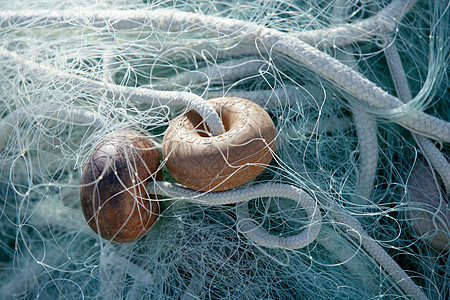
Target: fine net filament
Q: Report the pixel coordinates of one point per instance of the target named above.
(357, 91)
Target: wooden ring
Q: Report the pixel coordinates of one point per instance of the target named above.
(113, 195)
(216, 163)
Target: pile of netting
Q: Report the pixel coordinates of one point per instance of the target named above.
(357, 90)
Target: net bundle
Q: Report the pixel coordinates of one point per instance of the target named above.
(358, 93)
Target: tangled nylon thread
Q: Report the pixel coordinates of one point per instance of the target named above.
(201, 271)
(345, 78)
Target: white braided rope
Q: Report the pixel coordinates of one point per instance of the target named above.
(227, 72)
(245, 225)
(354, 83)
(47, 110)
(398, 1)
(368, 147)
(348, 80)
(352, 226)
(436, 157)
(385, 21)
(345, 252)
(108, 59)
(396, 69)
(271, 98)
(366, 130)
(139, 95)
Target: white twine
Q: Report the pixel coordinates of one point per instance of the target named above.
(245, 225)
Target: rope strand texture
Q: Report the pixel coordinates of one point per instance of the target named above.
(386, 20)
(436, 157)
(366, 130)
(353, 226)
(347, 79)
(355, 84)
(228, 72)
(265, 98)
(50, 110)
(245, 225)
(139, 95)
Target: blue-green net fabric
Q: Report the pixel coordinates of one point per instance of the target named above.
(47, 249)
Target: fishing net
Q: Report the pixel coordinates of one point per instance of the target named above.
(331, 74)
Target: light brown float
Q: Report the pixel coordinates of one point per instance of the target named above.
(216, 163)
(113, 195)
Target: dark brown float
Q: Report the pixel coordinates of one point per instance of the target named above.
(114, 198)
